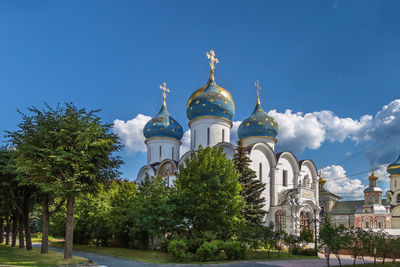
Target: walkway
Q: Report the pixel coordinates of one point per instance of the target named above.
(111, 261)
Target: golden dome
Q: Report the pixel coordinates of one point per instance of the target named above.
(221, 90)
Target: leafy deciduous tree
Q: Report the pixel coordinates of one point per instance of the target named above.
(65, 151)
(208, 193)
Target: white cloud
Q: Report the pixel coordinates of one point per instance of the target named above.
(298, 131)
(131, 132)
(383, 133)
(234, 135)
(185, 147)
(345, 187)
(382, 174)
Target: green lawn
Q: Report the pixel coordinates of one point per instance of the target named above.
(14, 256)
(162, 257)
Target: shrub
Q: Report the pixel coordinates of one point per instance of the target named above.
(193, 244)
(164, 243)
(305, 252)
(178, 249)
(306, 236)
(209, 250)
(235, 250)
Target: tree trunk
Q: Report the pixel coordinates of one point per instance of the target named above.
(27, 230)
(14, 230)
(1, 230)
(21, 231)
(45, 225)
(327, 260)
(338, 257)
(69, 229)
(8, 228)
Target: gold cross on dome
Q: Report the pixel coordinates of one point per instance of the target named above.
(164, 88)
(257, 85)
(212, 58)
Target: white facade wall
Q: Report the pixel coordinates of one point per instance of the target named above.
(258, 139)
(209, 131)
(306, 171)
(166, 145)
(283, 165)
(258, 157)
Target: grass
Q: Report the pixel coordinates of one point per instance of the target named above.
(162, 257)
(13, 256)
(133, 254)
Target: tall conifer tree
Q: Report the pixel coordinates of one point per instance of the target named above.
(252, 188)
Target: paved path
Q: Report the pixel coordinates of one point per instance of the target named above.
(111, 261)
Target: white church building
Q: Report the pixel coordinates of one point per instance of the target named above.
(291, 191)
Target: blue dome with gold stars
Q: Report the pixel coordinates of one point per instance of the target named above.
(258, 124)
(394, 168)
(163, 125)
(210, 100)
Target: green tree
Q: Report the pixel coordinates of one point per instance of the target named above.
(123, 199)
(354, 242)
(20, 198)
(253, 210)
(66, 152)
(6, 203)
(333, 237)
(291, 241)
(268, 239)
(395, 248)
(208, 193)
(154, 210)
(383, 245)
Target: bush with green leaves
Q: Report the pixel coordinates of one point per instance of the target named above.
(304, 251)
(235, 250)
(292, 242)
(177, 248)
(209, 250)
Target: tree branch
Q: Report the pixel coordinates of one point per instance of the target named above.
(57, 208)
(15, 202)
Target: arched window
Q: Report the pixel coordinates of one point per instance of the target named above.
(223, 135)
(398, 198)
(160, 153)
(280, 220)
(366, 224)
(305, 221)
(173, 153)
(284, 177)
(208, 136)
(149, 153)
(194, 139)
(260, 171)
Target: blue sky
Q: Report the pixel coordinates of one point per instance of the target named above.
(310, 56)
